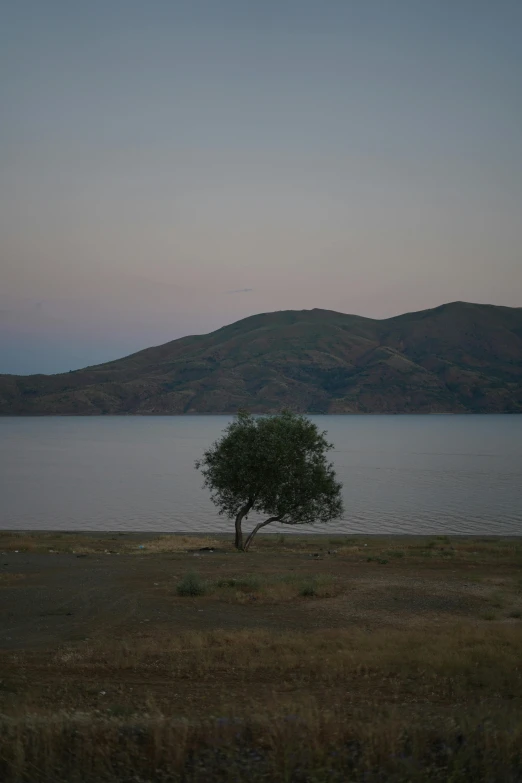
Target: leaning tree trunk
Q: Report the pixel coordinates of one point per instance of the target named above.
(239, 519)
(250, 538)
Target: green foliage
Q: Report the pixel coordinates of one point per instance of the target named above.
(246, 583)
(273, 465)
(191, 585)
(320, 586)
(309, 589)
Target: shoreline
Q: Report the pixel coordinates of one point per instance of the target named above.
(149, 534)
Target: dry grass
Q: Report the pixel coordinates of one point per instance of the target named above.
(311, 746)
(177, 543)
(417, 548)
(57, 543)
(245, 588)
(79, 543)
(457, 550)
(299, 707)
(10, 580)
(413, 674)
(449, 662)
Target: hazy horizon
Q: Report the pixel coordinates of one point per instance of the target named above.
(169, 168)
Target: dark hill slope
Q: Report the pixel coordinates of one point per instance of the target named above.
(456, 358)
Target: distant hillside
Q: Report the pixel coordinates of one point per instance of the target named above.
(455, 358)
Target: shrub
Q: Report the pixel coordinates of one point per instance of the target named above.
(320, 586)
(191, 584)
(309, 589)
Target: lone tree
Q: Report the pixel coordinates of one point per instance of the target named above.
(273, 465)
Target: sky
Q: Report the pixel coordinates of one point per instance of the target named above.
(171, 166)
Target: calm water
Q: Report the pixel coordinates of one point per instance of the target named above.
(401, 474)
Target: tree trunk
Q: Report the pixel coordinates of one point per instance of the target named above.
(250, 538)
(239, 518)
(239, 533)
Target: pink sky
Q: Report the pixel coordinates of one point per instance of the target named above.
(157, 157)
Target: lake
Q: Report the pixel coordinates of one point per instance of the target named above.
(401, 474)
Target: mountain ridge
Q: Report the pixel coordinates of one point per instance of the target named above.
(456, 358)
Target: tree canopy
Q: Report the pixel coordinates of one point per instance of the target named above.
(273, 465)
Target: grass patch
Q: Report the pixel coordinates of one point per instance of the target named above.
(249, 584)
(175, 543)
(192, 585)
(497, 600)
(464, 662)
(10, 580)
(52, 543)
(79, 543)
(310, 589)
(314, 586)
(342, 541)
(310, 745)
(120, 711)
(464, 550)
(278, 588)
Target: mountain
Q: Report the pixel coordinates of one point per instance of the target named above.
(458, 358)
